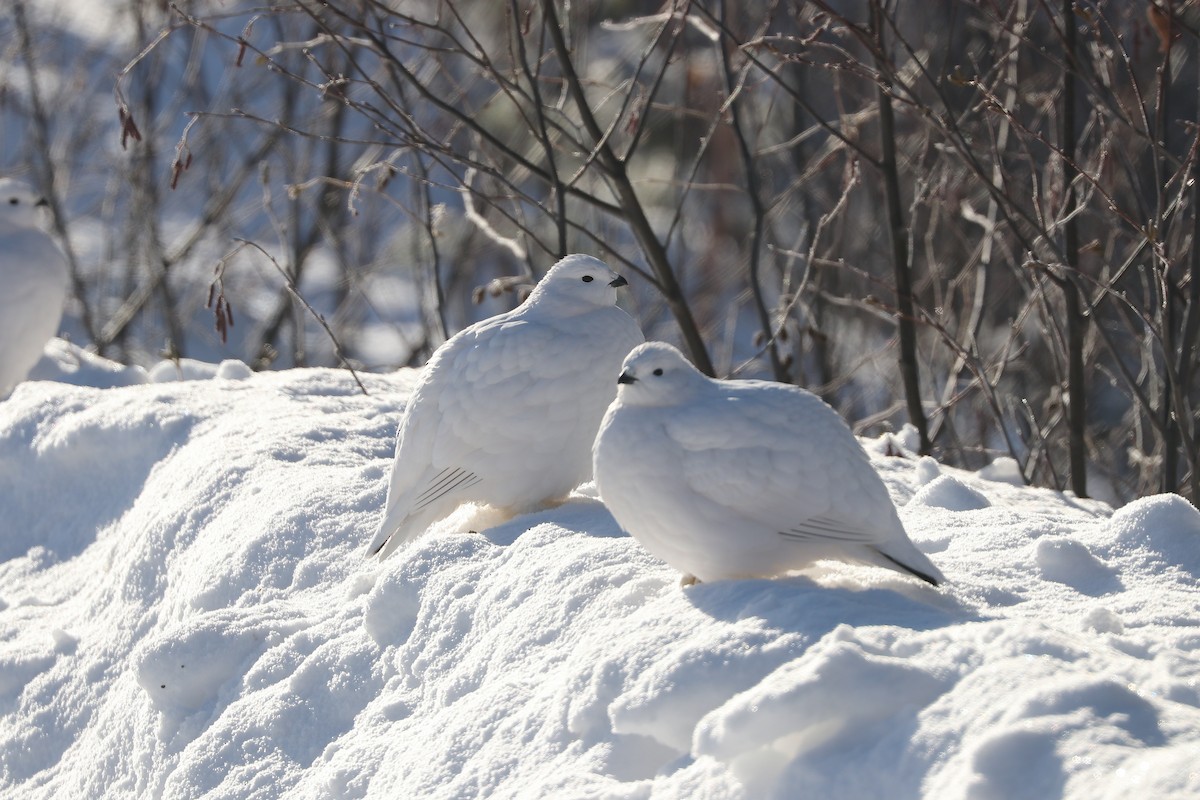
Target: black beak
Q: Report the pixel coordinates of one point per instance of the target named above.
(42, 202)
(625, 377)
(619, 281)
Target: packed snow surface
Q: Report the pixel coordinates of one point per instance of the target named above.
(185, 612)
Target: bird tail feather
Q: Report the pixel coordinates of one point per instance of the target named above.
(395, 532)
(933, 576)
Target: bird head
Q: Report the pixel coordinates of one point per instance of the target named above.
(656, 374)
(578, 281)
(19, 204)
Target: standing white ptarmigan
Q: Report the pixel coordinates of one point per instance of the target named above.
(741, 479)
(34, 280)
(506, 411)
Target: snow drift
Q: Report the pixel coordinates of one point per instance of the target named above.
(185, 611)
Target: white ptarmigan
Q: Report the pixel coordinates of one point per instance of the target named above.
(34, 282)
(506, 411)
(741, 479)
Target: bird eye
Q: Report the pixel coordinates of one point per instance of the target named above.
(658, 371)
(14, 201)
(588, 279)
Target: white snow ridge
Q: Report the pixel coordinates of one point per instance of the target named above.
(185, 612)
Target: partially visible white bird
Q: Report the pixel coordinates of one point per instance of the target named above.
(34, 281)
(741, 479)
(506, 411)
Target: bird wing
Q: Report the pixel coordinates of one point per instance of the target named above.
(515, 382)
(783, 458)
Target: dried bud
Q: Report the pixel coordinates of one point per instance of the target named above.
(129, 128)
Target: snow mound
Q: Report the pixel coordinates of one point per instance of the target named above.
(839, 697)
(950, 493)
(927, 470)
(1163, 530)
(189, 369)
(1065, 560)
(65, 362)
(1003, 470)
(185, 611)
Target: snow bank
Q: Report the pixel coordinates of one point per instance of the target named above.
(65, 362)
(185, 611)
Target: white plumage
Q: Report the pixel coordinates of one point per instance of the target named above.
(34, 281)
(506, 411)
(741, 479)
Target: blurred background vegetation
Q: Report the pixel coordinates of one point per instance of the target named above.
(977, 218)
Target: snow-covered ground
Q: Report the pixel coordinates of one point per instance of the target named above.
(186, 611)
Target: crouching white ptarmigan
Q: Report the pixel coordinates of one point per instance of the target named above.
(741, 479)
(34, 281)
(506, 411)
